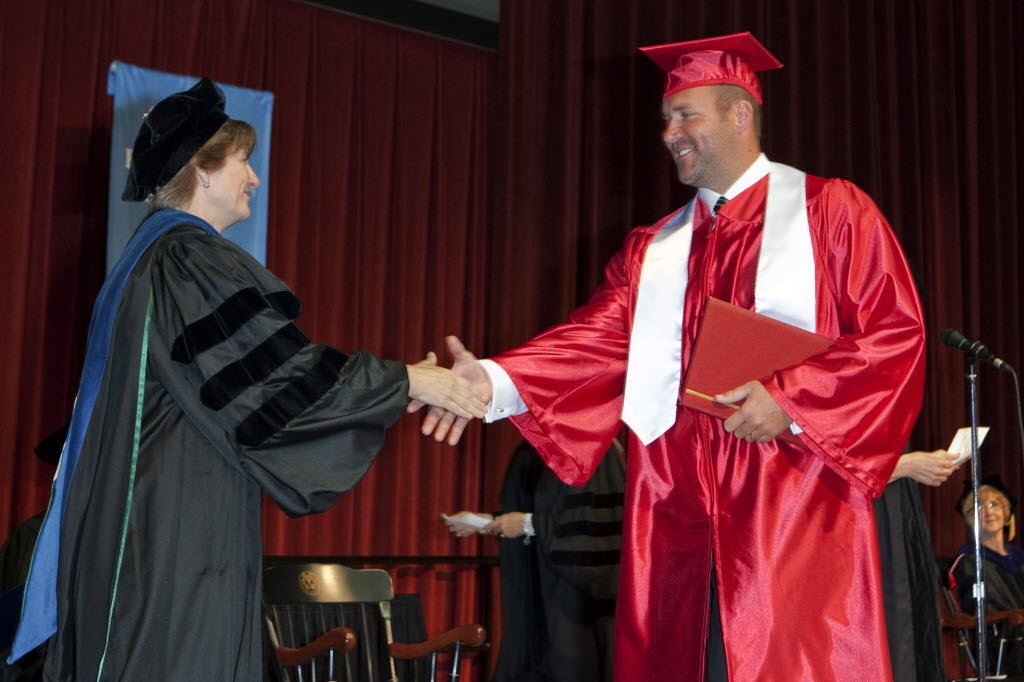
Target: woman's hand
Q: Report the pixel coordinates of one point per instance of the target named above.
(442, 388)
(446, 425)
(507, 525)
(461, 530)
(930, 468)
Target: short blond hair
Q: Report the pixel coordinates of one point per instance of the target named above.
(968, 502)
(229, 138)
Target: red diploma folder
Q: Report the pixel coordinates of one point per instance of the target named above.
(735, 346)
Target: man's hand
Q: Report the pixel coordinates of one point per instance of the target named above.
(759, 419)
(507, 525)
(433, 385)
(443, 422)
(930, 468)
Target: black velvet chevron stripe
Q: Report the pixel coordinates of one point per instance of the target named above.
(285, 303)
(228, 318)
(602, 501)
(596, 529)
(227, 384)
(291, 400)
(608, 557)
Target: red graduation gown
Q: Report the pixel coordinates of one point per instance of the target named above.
(790, 526)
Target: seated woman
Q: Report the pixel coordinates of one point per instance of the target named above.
(1003, 562)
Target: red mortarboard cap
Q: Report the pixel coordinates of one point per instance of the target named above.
(731, 59)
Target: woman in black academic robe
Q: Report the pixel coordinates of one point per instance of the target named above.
(1003, 566)
(199, 394)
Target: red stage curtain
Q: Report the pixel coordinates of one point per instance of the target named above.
(920, 103)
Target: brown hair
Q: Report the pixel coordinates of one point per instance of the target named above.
(229, 138)
(727, 94)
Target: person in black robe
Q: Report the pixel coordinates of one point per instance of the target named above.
(909, 572)
(559, 570)
(16, 552)
(198, 395)
(1003, 566)
(15, 558)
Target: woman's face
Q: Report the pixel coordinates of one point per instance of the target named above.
(227, 198)
(995, 512)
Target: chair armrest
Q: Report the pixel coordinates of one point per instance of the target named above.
(962, 621)
(958, 621)
(468, 635)
(1013, 617)
(339, 639)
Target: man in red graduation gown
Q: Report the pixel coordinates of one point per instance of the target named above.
(745, 556)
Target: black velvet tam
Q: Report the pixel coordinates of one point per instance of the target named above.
(49, 448)
(992, 481)
(171, 133)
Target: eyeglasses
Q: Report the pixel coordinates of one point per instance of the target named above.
(990, 504)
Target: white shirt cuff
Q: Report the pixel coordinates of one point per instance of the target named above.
(505, 400)
(795, 429)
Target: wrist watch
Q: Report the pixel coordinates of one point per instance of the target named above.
(528, 531)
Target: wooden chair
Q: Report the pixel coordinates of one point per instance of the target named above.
(304, 600)
(334, 640)
(958, 630)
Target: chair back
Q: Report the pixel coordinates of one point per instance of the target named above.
(304, 600)
(298, 583)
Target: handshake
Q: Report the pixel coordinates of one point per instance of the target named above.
(462, 393)
(454, 395)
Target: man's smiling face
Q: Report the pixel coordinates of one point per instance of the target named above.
(700, 137)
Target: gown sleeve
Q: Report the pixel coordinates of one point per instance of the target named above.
(301, 419)
(857, 401)
(572, 376)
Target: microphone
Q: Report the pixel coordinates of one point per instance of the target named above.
(975, 349)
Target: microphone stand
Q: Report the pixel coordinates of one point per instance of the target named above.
(979, 585)
(974, 352)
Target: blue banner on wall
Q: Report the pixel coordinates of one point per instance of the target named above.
(135, 91)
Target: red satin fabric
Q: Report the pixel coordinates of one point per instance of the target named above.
(790, 526)
(711, 67)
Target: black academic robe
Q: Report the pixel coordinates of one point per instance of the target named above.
(15, 557)
(159, 574)
(909, 580)
(16, 552)
(558, 591)
(1004, 591)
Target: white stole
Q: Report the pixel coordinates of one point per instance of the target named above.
(784, 290)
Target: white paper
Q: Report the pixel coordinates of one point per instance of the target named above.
(961, 444)
(468, 519)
